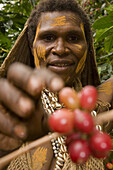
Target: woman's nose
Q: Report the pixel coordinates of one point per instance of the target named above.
(60, 48)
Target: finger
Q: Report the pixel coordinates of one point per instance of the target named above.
(7, 143)
(34, 81)
(15, 100)
(11, 126)
(22, 76)
(50, 79)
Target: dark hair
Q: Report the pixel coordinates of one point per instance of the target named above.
(90, 74)
(56, 5)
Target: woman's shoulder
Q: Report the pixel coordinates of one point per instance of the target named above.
(105, 91)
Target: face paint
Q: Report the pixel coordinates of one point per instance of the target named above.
(36, 58)
(106, 88)
(59, 21)
(34, 49)
(78, 46)
(46, 18)
(81, 62)
(82, 28)
(41, 52)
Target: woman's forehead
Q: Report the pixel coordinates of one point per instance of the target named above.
(59, 19)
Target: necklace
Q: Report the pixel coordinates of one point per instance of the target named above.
(50, 104)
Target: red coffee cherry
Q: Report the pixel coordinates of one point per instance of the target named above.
(83, 121)
(69, 97)
(61, 121)
(109, 165)
(88, 97)
(100, 144)
(79, 151)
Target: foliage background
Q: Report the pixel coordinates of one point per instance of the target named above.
(14, 13)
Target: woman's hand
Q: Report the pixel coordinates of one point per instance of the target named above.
(22, 116)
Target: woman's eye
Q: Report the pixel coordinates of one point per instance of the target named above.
(49, 38)
(72, 38)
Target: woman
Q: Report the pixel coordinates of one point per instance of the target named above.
(57, 38)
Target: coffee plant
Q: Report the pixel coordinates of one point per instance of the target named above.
(13, 15)
(101, 12)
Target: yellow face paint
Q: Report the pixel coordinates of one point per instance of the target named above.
(81, 62)
(39, 158)
(41, 51)
(106, 88)
(46, 18)
(36, 58)
(34, 49)
(59, 21)
(82, 28)
(37, 31)
(78, 46)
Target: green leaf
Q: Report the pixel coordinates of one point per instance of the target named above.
(101, 34)
(109, 9)
(104, 22)
(108, 43)
(4, 40)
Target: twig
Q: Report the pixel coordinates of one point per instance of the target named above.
(6, 159)
(106, 56)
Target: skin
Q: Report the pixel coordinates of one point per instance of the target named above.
(105, 91)
(22, 116)
(27, 122)
(105, 94)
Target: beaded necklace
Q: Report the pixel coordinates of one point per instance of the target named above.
(50, 104)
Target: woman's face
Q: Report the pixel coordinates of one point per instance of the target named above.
(60, 44)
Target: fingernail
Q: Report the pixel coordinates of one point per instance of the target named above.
(56, 84)
(20, 131)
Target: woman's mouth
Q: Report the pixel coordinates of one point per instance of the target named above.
(61, 66)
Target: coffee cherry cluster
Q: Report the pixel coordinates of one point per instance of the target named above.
(76, 121)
